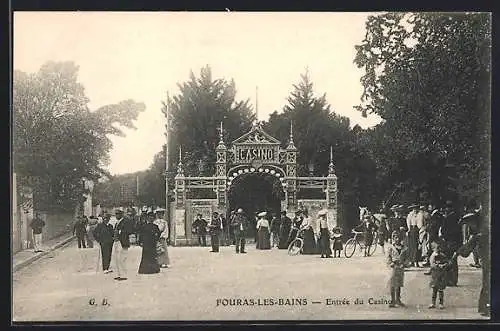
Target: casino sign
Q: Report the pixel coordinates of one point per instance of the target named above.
(255, 152)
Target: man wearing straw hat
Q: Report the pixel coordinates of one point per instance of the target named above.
(215, 227)
(239, 223)
(103, 233)
(397, 221)
(121, 244)
(324, 234)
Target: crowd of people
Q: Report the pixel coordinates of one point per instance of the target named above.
(428, 236)
(419, 236)
(150, 230)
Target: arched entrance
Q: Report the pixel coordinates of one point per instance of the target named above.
(256, 192)
(254, 173)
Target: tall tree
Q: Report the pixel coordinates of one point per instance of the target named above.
(195, 116)
(428, 77)
(57, 140)
(316, 127)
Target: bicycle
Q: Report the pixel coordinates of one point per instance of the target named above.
(352, 243)
(297, 244)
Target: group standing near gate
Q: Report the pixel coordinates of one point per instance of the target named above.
(425, 237)
(114, 240)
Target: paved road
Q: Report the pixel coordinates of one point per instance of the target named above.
(59, 288)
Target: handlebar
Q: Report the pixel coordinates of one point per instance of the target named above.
(357, 232)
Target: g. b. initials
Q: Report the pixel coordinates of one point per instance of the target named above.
(104, 302)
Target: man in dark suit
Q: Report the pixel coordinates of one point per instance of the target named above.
(239, 223)
(285, 227)
(215, 230)
(37, 225)
(121, 244)
(435, 222)
(200, 229)
(103, 233)
(452, 235)
(79, 229)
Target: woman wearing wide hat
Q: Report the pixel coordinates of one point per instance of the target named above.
(414, 223)
(310, 246)
(162, 249)
(263, 232)
(150, 234)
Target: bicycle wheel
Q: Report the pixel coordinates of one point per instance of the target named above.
(350, 247)
(295, 246)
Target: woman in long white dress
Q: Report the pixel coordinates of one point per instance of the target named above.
(162, 250)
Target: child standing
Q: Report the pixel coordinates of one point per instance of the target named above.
(337, 241)
(396, 258)
(440, 263)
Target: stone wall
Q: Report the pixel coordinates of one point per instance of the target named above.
(56, 224)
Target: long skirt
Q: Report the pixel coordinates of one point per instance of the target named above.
(438, 278)
(310, 246)
(149, 262)
(396, 277)
(291, 237)
(283, 242)
(337, 244)
(263, 238)
(162, 252)
(452, 272)
(413, 244)
(324, 242)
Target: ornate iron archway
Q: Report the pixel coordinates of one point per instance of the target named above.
(255, 151)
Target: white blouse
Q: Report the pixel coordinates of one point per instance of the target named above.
(306, 222)
(162, 225)
(263, 222)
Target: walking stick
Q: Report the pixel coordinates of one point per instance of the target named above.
(98, 258)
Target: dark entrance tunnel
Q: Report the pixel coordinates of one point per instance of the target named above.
(255, 193)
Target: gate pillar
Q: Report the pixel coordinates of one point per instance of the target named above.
(220, 171)
(180, 203)
(331, 191)
(291, 173)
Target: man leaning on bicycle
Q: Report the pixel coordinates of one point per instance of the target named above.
(368, 228)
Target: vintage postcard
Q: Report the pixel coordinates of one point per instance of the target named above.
(250, 166)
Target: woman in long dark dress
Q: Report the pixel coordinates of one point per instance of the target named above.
(310, 246)
(150, 235)
(296, 224)
(263, 232)
(285, 226)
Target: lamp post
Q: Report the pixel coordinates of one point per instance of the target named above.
(167, 129)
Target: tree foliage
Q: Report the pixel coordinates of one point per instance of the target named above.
(195, 114)
(428, 77)
(57, 140)
(316, 127)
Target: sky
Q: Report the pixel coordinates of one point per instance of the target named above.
(144, 55)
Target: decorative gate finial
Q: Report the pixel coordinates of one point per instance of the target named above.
(221, 145)
(290, 143)
(180, 170)
(331, 167)
(221, 134)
